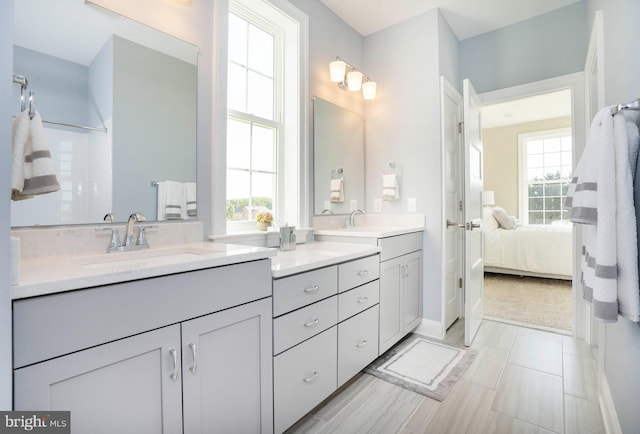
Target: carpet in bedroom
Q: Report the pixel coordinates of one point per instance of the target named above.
(531, 300)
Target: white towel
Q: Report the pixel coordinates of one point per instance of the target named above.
(390, 190)
(337, 190)
(190, 209)
(31, 151)
(170, 200)
(601, 198)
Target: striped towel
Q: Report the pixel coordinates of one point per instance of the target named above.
(190, 196)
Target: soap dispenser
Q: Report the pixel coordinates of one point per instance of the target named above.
(287, 237)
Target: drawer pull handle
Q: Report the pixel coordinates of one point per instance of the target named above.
(313, 377)
(313, 323)
(362, 343)
(174, 356)
(193, 367)
(311, 290)
(363, 272)
(363, 300)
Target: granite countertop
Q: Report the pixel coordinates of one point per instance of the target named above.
(317, 254)
(52, 274)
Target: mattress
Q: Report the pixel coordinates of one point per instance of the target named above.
(540, 249)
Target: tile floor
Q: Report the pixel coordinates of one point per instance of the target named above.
(522, 381)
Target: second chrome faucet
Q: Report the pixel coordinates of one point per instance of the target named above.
(131, 242)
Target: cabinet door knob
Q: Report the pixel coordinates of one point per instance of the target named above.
(312, 323)
(362, 343)
(313, 377)
(194, 366)
(174, 357)
(363, 300)
(363, 272)
(311, 290)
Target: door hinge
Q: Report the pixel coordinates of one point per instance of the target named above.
(460, 283)
(460, 206)
(460, 127)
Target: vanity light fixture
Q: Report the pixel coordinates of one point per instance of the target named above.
(348, 77)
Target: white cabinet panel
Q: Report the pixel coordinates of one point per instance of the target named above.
(358, 272)
(357, 343)
(124, 386)
(358, 299)
(303, 377)
(293, 292)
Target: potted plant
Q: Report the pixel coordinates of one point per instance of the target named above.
(264, 220)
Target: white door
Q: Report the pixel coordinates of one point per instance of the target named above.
(451, 108)
(474, 265)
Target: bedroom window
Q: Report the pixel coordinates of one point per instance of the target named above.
(546, 164)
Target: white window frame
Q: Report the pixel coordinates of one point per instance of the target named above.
(293, 154)
(523, 185)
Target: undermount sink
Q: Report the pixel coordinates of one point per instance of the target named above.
(145, 258)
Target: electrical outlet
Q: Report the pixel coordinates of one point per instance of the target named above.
(411, 204)
(353, 204)
(377, 205)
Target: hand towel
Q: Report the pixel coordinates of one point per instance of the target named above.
(390, 189)
(337, 190)
(20, 137)
(170, 200)
(190, 208)
(39, 174)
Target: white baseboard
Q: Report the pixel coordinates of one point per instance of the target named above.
(430, 329)
(608, 409)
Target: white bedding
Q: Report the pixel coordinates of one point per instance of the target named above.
(540, 249)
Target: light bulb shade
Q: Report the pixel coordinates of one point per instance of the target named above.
(369, 89)
(488, 198)
(337, 69)
(354, 80)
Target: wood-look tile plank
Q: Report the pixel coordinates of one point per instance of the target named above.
(555, 337)
(487, 366)
(530, 395)
(307, 425)
(499, 423)
(575, 346)
(582, 416)
(464, 410)
(580, 377)
(496, 335)
(422, 417)
(334, 404)
(536, 353)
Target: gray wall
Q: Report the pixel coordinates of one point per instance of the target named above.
(546, 46)
(154, 115)
(6, 106)
(62, 94)
(622, 84)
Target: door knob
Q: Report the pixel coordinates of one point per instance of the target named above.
(457, 225)
(471, 226)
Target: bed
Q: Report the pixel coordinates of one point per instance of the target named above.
(531, 250)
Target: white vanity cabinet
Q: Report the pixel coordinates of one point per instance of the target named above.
(323, 338)
(189, 352)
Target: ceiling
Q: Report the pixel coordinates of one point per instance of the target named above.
(467, 18)
(533, 108)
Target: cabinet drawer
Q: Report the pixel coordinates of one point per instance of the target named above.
(293, 292)
(399, 245)
(303, 377)
(358, 299)
(357, 343)
(295, 327)
(358, 272)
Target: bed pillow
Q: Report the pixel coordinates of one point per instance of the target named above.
(489, 222)
(504, 220)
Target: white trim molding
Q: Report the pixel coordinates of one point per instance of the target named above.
(608, 409)
(430, 329)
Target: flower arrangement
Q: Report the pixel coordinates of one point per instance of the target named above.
(264, 217)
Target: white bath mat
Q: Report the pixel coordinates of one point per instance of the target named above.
(424, 366)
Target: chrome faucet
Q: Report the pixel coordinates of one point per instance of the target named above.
(130, 240)
(135, 217)
(351, 222)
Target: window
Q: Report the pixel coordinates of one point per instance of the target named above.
(263, 114)
(545, 171)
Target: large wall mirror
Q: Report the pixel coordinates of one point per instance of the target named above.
(133, 85)
(338, 158)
